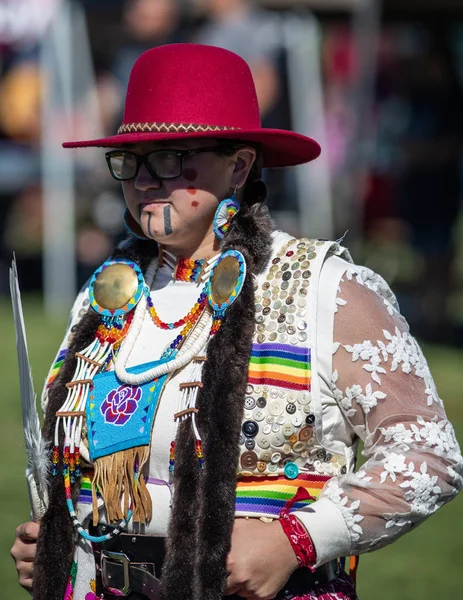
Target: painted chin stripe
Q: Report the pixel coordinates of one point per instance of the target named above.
(167, 220)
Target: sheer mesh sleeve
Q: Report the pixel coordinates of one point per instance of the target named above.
(382, 384)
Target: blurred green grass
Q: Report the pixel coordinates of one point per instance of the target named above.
(425, 564)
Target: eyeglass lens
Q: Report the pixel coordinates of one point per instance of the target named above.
(166, 165)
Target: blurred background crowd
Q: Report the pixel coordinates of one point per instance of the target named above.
(379, 84)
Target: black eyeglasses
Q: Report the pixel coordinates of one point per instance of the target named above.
(162, 164)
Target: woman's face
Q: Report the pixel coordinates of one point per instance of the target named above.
(179, 212)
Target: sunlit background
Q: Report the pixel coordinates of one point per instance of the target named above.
(378, 84)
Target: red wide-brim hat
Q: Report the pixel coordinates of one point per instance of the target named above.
(188, 91)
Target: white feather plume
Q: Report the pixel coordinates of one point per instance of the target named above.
(37, 450)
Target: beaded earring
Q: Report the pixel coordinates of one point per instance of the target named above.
(132, 226)
(225, 212)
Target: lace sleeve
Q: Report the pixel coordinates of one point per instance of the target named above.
(383, 385)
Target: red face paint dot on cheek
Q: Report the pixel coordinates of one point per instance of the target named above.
(191, 190)
(195, 204)
(190, 174)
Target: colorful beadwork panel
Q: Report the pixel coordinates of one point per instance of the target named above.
(280, 365)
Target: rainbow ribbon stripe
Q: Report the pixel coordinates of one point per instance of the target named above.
(56, 367)
(268, 495)
(85, 496)
(280, 365)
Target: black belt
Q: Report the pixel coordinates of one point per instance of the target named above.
(131, 564)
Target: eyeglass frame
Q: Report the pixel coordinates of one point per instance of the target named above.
(142, 158)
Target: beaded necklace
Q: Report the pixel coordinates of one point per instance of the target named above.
(189, 319)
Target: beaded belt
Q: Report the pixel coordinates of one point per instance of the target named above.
(266, 496)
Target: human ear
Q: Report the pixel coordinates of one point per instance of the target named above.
(245, 158)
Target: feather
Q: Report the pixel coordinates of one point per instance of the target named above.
(37, 450)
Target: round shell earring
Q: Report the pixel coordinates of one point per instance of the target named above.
(225, 212)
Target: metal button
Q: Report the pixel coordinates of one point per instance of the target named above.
(248, 460)
(250, 444)
(249, 403)
(250, 428)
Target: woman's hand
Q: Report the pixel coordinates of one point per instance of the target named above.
(260, 561)
(23, 552)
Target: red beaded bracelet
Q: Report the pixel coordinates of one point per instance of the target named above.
(298, 537)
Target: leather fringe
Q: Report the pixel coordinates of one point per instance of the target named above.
(114, 478)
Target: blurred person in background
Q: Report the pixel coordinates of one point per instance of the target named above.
(146, 24)
(21, 90)
(429, 182)
(243, 28)
(285, 354)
